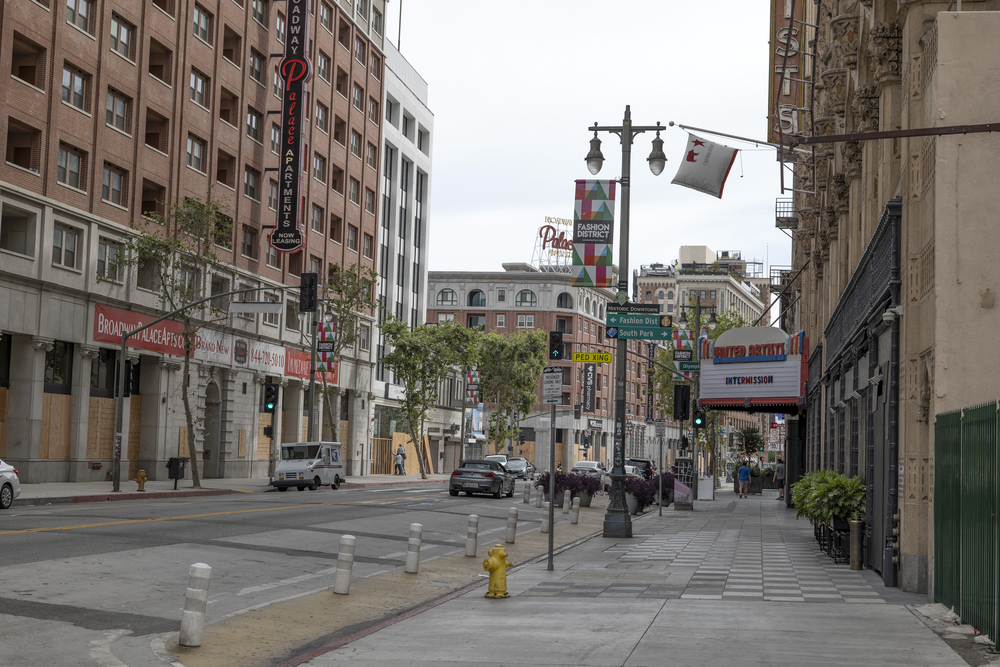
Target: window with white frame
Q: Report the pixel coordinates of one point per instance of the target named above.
(525, 321)
(364, 337)
(271, 257)
(271, 318)
(65, 242)
(501, 295)
(107, 260)
(501, 321)
(279, 28)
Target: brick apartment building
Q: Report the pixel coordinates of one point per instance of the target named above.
(115, 108)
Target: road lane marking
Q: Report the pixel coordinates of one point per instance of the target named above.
(293, 580)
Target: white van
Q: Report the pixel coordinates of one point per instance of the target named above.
(309, 464)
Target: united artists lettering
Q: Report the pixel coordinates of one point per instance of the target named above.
(295, 70)
(750, 379)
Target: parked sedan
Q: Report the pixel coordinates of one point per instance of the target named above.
(482, 477)
(10, 485)
(594, 468)
(520, 469)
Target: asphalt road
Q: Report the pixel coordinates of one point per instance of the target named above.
(88, 584)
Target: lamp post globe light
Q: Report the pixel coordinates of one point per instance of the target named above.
(617, 521)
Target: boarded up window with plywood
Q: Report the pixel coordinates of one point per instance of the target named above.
(100, 428)
(263, 442)
(56, 413)
(134, 429)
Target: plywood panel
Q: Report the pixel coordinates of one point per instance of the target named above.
(182, 441)
(241, 448)
(100, 428)
(134, 429)
(411, 465)
(263, 442)
(56, 419)
(3, 421)
(305, 427)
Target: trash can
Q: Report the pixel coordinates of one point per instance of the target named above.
(176, 468)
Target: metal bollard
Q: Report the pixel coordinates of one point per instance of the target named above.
(567, 498)
(472, 536)
(574, 515)
(195, 601)
(413, 548)
(545, 519)
(527, 492)
(539, 498)
(345, 563)
(857, 530)
(511, 525)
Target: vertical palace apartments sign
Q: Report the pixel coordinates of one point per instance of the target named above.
(295, 71)
(785, 94)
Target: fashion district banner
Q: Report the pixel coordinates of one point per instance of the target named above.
(593, 232)
(705, 166)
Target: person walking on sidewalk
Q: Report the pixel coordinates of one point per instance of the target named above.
(743, 476)
(399, 464)
(779, 478)
(401, 459)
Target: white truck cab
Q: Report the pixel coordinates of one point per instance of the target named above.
(309, 464)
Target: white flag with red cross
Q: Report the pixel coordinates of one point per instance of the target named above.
(705, 166)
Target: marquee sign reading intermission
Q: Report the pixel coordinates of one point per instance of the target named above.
(295, 70)
(754, 367)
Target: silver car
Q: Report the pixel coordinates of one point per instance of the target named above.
(10, 485)
(593, 468)
(482, 476)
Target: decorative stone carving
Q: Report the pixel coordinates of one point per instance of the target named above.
(42, 343)
(817, 260)
(822, 173)
(841, 193)
(865, 107)
(168, 365)
(89, 351)
(823, 127)
(867, 3)
(830, 222)
(835, 87)
(851, 152)
(884, 51)
(845, 35)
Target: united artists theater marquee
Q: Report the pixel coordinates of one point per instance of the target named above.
(759, 369)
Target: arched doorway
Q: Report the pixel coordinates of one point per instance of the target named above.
(213, 423)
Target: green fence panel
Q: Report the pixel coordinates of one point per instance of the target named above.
(978, 524)
(947, 507)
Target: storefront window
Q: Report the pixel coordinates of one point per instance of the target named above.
(59, 368)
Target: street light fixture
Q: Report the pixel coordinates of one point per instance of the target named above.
(617, 522)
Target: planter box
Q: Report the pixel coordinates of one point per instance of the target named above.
(631, 503)
(585, 499)
(559, 498)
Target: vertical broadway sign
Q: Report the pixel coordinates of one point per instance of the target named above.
(295, 71)
(589, 385)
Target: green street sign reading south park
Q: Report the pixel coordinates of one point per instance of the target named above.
(639, 333)
(638, 321)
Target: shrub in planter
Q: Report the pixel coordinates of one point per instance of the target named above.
(643, 490)
(824, 494)
(564, 482)
(589, 486)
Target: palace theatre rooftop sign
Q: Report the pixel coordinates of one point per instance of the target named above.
(762, 368)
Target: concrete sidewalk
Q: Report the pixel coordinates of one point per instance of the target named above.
(737, 581)
(82, 492)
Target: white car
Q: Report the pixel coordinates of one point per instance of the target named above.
(594, 468)
(633, 471)
(10, 485)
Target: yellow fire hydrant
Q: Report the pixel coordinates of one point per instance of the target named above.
(497, 566)
(140, 479)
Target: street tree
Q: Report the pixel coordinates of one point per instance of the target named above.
(420, 359)
(351, 294)
(510, 366)
(747, 442)
(176, 253)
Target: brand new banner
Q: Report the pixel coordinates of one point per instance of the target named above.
(295, 70)
(593, 231)
(325, 359)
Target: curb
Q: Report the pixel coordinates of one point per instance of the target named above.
(382, 625)
(358, 485)
(66, 500)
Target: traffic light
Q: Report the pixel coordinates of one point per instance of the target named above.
(557, 349)
(270, 397)
(684, 443)
(577, 411)
(682, 402)
(699, 419)
(307, 292)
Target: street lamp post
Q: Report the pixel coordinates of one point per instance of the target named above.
(617, 521)
(712, 322)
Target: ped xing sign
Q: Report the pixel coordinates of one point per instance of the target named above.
(593, 357)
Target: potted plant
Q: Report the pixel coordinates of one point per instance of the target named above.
(564, 482)
(588, 486)
(668, 487)
(639, 494)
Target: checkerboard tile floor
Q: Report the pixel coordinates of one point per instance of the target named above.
(748, 551)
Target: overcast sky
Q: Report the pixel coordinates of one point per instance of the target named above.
(514, 85)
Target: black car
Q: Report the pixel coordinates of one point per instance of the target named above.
(520, 469)
(645, 466)
(482, 476)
